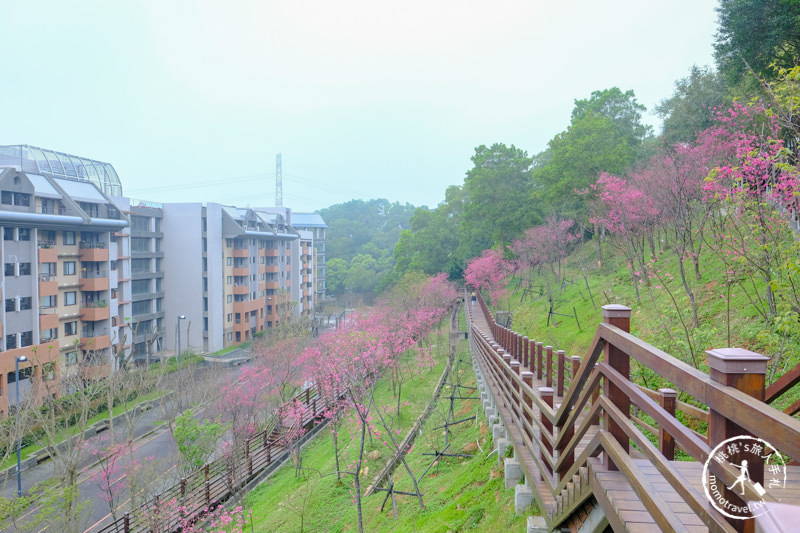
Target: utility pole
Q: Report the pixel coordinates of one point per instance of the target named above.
(278, 182)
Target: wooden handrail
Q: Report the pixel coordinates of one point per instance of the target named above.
(581, 406)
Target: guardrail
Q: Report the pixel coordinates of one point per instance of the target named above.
(215, 482)
(552, 406)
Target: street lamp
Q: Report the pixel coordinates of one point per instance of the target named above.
(180, 317)
(17, 361)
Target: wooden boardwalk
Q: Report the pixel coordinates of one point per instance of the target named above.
(586, 449)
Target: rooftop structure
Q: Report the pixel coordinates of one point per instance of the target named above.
(31, 159)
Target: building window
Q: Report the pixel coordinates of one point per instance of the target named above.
(141, 308)
(11, 305)
(140, 244)
(230, 317)
(8, 234)
(70, 358)
(230, 298)
(25, 339)
(230, 336)
(69, 268)
(68, 237)
(238, 318)
(24, 234)
(139, 266)
(140, 223)
(70, 328)
(46, 270)
(24, 269)
(205, 323)
(140, 286)
(11, 341)
(48, 301)
(10, 269)
(228, 244)
(25, 303)
(229, 280)
(48, 334)
(228, 261)
(70, 298)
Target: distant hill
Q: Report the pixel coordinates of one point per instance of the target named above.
(360, 241)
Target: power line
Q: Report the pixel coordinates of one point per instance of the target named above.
(200, 184)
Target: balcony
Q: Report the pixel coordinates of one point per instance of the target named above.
(95, 339)
(93, 251)
(48, 319)
(92, 312)
(241, 271)
(47, 252)
(241, 289)
(48, 286)
(270, 269)
(271, 252)
(248, 306)
(241, 252)
(94, 281)
(271, 285)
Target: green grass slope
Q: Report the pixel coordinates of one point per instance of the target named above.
(460, 494)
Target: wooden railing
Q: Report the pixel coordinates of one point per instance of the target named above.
(566, 416)
(218, 480)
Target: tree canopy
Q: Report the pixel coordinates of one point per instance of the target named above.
(757, 33)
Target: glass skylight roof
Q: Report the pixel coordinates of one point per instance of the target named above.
(39, 160)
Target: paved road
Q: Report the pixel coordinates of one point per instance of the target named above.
(153, 449)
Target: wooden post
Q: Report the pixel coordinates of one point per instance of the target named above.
(546, 394)
(595, 397)
(560, 389)
(518, 399)
(518, 349)
(568, 457)
(506, 376)
(549, 366)
(539, 346)
(666, 398)
(746, 371)
(126, 523)
(527, 379)
(525, 352)
(619, 316)
(576, 366)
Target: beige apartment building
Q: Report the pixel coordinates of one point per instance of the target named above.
(58, 285)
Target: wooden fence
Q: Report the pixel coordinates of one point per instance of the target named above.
(570, 420)
(220, 479)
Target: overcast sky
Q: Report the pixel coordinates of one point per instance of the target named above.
(192, 100)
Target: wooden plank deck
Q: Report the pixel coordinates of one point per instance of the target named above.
(613, 492)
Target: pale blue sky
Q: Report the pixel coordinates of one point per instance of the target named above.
(191, 100)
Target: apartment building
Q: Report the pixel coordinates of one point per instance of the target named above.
(231, 273)
(315, 224)
(59, 284)
(93, 280)
(141, 274)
